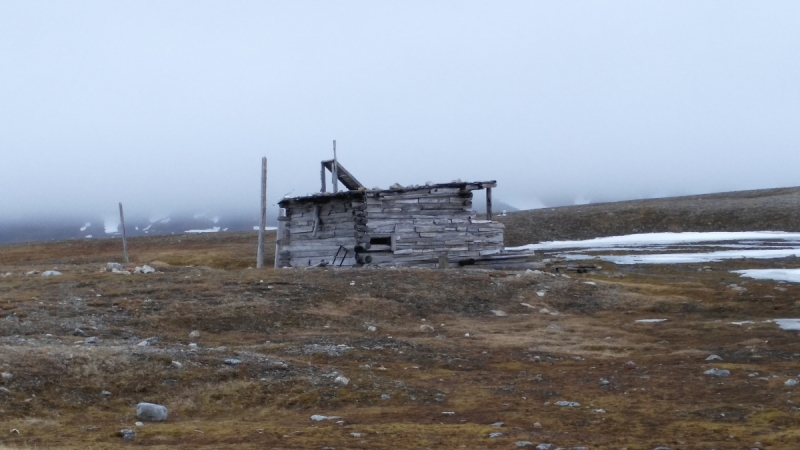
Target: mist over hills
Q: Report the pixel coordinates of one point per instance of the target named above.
(94, 226)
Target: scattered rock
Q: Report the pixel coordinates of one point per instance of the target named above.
(714, 358)
(51, 273)
(151, 412)
(599, 411)
(32, 272)
(105, 393)
(144, 343)
(79, 332)
(537, 425)
(540, 293)
(524, 444)
(497, 424)
(717, 372)
(630, 365)
(555, 328)
(176, 364)
(114, 266)
(194, 334)
(126, 434)
(145, 269)
(495, 435)
(4, 391)
(426, 328)
(121, 272)
(448, 413)
(371, 328)
(791, 382)
(544, 311)
(568, 404)
(6, 375)
(232, 361)
(342, 380)
(355, 435)
(385, 396)
(319, 417)
(139, 424)
(92, 340)
(604, 382)
(499, 313)
(544, 446)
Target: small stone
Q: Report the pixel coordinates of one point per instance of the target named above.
(497, 424)
(114, 266)
(371, 328)
(176, 364)
(599, 411)
(544, 311)
(537, 425)
(79, 332)
(604, 382)
(544, 446)
(568, 404)
(139, 424)
(717, 372)
(499, 313)
(194, 334)
(385, 396)
(105, 393)
(32, 272)
(355, 435)
(426, 328)
(92, 340)
(147, 269)
(193, 346)
(144, 343)
(51, 273)
(791, 382)
(4, 391)
(466, 334)
(232, 361)
(555, 328)
(495, 435)
(714, 358)
(151, 412)
(448, 413)
(126, 434)
(6, 375)
(540, 293)
(342, 380)
(630, 365)
(523, 444)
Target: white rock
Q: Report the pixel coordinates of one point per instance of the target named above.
(499, 313)
(540, 293)
(717, 372)
(448, 413)
(144, 343)
(568, 404)
(51, 273)
(176, 364)
(544, 311)
(139, 424)
(147, 269)
(6, 375)
(714, 358)
(371, 328)
(92, 340)
(193, 346)
(151, 412)
(342, 380)
(194, 334)
(355, 435)
(32, 272)
(791, 382)
(121, 272)
(554, 327)
(426, 328)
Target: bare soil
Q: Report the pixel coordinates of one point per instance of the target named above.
(294, 330)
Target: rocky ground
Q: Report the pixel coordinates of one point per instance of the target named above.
(765, 209)
(392, 358)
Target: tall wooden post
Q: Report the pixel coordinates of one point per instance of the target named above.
(335, 171)
(260, 262)
(124, 236)
(488, 203)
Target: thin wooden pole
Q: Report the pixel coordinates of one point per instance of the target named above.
(279, 237)
(335, 171)
(260, 262)
(488, 203)
(124, 236)
(322, 176)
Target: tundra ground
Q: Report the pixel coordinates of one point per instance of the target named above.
(293, 331)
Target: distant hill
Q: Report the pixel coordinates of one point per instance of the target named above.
(763, 209)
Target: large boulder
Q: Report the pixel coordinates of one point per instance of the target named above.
(150, 412)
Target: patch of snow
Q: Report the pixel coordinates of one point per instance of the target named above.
(165, 220)
(111, 225)
(88, 236)
(788, 324)
(744, 322)
(688, 258)
(790, 275)
(87, 225)
(210, 230)
(147, 228)
(266, 228)
(651, 320)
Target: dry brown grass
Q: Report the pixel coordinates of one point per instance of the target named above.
(276, 322)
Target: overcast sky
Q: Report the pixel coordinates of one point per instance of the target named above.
(169, 105)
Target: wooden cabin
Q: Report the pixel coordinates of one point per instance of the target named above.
(420, 226)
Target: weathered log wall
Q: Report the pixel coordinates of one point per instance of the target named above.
(409, 227)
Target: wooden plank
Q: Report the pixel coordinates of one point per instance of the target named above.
(489, 203)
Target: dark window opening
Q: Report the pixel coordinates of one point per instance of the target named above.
(380, 240)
